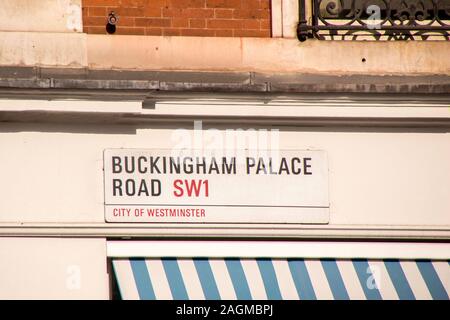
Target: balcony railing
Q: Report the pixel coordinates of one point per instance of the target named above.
(374, 19)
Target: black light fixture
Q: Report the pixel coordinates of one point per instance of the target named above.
(112, 21)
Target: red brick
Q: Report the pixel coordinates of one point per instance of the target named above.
(200, 13)
(197, 32)
(186, 3)
(223, 3)
(171, 12)
(97, 12)
(171, 32)
(152, 22)
(251, 24)
(130, 12)
(264, 5)
(250, 4)
(197, 23)
(85, 12)
(140, 22)
(264, 14)
(251, 33)
(151, 12)
(223, 13)
(131, 3)
(126, 22)
(133, 31)
(180, 22)
(224, 33)
(187, 13)
(224, 24)
(221, 18)
(115, 9)
(249, 14)
(153, 31)
(155, 3)
(94, 21)
(265, 24)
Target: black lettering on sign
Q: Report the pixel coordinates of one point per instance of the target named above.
(130, 187)
(143, 188)
(201, 164)
(116, 165)
(213, 167)
(117, 187)
(284, 166)
(153, 165)
(250, 163)
(129, 164)
(306, 166)
(142, 168)
(140, 188)
(175, 166)
(156, 187)
(188, 167)
(261, 166)
(293, 166)
(231, 168)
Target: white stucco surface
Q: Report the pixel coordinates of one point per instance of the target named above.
(53, 268)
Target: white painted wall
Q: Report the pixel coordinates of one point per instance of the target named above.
(53, 172)
(41, 15)
(53, 268)
(280, 249)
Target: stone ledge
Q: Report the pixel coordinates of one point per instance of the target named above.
(83, 78)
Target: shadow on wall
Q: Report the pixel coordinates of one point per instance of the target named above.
(77, 128)
(106, 127)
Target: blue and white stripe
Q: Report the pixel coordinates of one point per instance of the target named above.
(287, 279)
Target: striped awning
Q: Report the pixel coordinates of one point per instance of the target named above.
(275, 279)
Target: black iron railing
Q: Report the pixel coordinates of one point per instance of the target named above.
(374, 19)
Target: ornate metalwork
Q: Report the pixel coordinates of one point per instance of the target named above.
(374, 19)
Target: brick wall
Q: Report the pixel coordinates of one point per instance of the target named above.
(216, 18)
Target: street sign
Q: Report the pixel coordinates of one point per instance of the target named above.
(194, 186)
